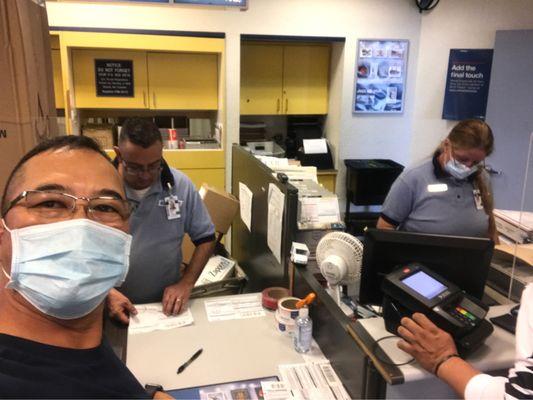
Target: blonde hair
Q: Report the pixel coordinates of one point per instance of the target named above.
(476, 134)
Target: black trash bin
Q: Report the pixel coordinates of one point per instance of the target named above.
(367, 183)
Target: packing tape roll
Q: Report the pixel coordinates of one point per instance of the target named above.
(271, 296)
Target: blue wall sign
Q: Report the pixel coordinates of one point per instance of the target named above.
(467, 84)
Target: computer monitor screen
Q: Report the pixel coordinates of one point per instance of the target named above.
(463, 261)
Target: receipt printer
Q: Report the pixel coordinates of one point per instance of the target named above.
(415, 288)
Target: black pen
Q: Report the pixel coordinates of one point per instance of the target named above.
(189, 361)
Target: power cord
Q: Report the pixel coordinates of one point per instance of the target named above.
(374, 348)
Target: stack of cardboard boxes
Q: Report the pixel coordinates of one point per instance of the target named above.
(27, 105)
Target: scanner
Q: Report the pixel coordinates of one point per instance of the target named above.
(415, 288)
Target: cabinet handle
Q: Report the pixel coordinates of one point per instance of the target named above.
(144, 99)
(286, 105)
(277, 107)
(153, 97)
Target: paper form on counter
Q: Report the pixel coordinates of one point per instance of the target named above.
(276, 204)
(234, 307)
(150, 318)
(245, 202)
(313, 381)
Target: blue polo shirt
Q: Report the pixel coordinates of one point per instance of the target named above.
(426, 199)
(156, 247)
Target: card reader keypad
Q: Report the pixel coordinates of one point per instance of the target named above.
(463, 315)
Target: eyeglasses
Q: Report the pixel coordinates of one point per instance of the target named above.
(55, 206)
(138, 170)
(465, 160)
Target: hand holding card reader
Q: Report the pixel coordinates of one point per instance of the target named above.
(415, 288)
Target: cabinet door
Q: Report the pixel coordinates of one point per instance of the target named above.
(305, 79)
(183, 81)
(58, 81)
(261, 79)
(84, 73)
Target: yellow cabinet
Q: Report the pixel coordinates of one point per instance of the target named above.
(58, 80)
(183, 81)
(305, 79)
(161, 81)
(284, 79)
(261, 79)
(84, 75)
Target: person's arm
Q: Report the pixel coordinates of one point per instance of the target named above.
(176, 296)
(119, 306)
(435, 351)
(382, 224)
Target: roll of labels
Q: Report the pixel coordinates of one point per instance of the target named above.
(286, 307)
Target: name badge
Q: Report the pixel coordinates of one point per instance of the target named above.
(477, 199)
(172, 207)
(437, 187)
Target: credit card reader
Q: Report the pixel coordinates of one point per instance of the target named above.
(415, 288)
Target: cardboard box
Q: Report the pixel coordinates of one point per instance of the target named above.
(103, 133)
(222, 207)
(27, 105)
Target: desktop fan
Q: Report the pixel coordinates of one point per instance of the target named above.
(339, 257)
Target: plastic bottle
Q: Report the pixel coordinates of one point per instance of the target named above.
(303, 334)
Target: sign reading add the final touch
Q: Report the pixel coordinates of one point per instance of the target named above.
(467, 84)
(114, 78)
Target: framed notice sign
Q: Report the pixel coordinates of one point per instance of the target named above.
(114, 78)
(380, 76)
(467, 84)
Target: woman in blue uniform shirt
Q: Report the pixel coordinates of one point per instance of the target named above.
(449, 193)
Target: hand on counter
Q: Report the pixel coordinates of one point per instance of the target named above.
(176, 297)
(427, 343)
(120, 307)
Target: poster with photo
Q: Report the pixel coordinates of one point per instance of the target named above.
(380, 76)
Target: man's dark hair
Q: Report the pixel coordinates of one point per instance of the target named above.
(141, 132)
(70, 142)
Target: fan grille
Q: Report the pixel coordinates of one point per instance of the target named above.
(346, 246)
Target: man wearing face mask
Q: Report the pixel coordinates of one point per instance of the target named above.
(166, 206)
(448, 194)
(63, 246)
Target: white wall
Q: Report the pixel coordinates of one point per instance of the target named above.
(383, 136)
(468, 24)
(404, 138)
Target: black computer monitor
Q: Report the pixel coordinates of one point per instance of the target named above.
(462, 260)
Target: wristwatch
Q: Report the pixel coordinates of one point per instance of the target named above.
(152, 388)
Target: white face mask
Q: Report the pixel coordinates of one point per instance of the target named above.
(65, 269)
(459, 170)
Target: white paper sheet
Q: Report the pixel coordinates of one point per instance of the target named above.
(150, 317)
(313, 381)
(276, 391)
(238, 307)
(245, 201)
(276, 204)
(315, 146)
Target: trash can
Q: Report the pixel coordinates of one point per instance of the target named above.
(368, 180)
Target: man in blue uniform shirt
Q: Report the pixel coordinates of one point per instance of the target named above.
(166, 205)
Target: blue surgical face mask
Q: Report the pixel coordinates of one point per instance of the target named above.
(458, 170)
(65, 269)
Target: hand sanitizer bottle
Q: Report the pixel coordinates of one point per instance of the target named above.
(303, 334)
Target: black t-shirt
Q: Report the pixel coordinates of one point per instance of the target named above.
(34, 370)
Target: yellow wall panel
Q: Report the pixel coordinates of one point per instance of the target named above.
(58, 80)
